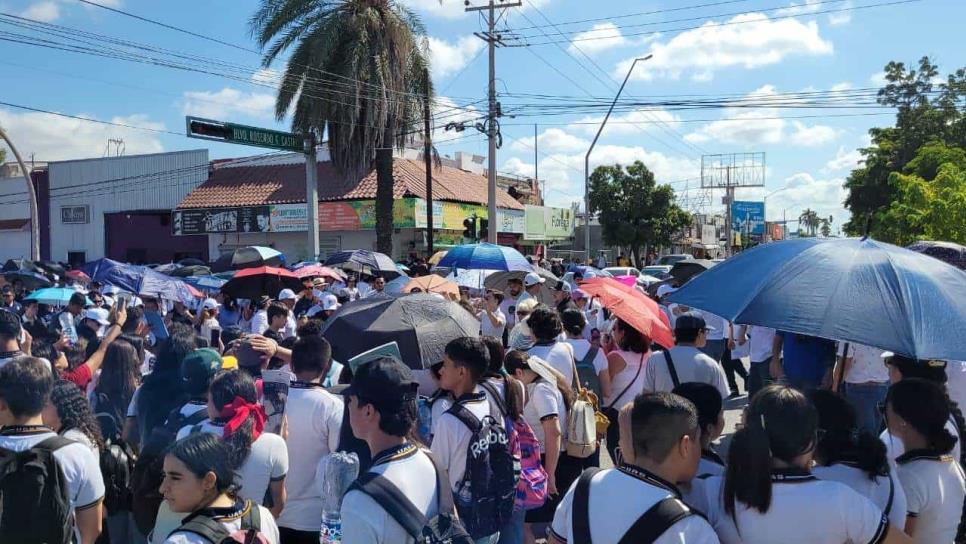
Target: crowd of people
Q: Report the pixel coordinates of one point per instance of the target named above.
(126, 419)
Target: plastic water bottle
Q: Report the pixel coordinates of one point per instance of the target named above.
(338, 470)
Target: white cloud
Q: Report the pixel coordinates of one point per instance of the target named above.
(55, 138)
(227, 102)
(825, 196)
(446, 111)
(812, 6)
(878, 79)
(551, 141)
(844, 160)
(844, 86)
(45, 11)
(447, 59)
(601, 36)
(806, 8)
(633, 122)
(757, 41)
(841, 17)
(811, 136)
(267, 76)
(456, 9)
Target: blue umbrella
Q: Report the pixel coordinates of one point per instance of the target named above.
(485, 257)
(138, 279)
(54, 296)
(855, 290)
(210, 283)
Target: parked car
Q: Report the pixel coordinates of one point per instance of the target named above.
(659, 271)
(623, 271)
(675, 258)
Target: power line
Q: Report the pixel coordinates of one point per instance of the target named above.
(122, 125)
(638, 14)
(822, 116)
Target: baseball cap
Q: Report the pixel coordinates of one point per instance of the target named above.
(691, 321)
(665, 289)
(330, 302)
(383, 382)
(210, 304)
(197, 369)
(286, 294)
(532, 278)
(96, 314)
(563, 286)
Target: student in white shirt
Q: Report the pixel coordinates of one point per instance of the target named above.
(659, 445)
(761, 348)
(849, 454)
(25, 386)
(545, 324)
(685, 362)
(199, 480)
(574, 323)
(768, 491)
(917, 411)
(382, 412)
(261, 457)
(314, 422)
(288, 298)
(492, 320)
(862, 379)
(260, 322)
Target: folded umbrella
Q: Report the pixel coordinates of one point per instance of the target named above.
(421, 324)
(251, 283)
(433, 284)
(633, 307)
(366, 262)
(855, 290)
(54, 296)
(485, 257)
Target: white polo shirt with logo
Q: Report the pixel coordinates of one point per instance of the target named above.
(935, 489)
(451, 437)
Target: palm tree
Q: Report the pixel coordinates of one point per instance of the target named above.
(808, 221)
(826, 226)
(357, 74)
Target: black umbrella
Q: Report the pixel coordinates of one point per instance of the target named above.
(421, 324)
(51, 268)
(13, 265)
(947, 252)
(222, 264)
(190, 270)
(682, 271)
(252, 283)
(364, 261)
(190, 261)
(31, 280)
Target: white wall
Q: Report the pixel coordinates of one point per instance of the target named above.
(116, 184)
(13, 205)
(293, 244)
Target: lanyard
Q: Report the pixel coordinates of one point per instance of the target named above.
(11, 430)
(394, 453)
(649, 477)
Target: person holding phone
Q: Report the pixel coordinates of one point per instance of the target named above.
(210, 327)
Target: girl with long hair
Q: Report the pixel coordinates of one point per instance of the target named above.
(119, 378)
(849, 454)
(161, 391)
(69, 414)
(769, 494)
(917, 412)
(199, 482)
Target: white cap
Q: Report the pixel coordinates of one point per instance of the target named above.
(665, 289)
(96, 314)
(210, 304)
(532, 278)
(329, 302)
(287, 294)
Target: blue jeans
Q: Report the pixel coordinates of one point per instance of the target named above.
(865, 398)
(512, 532)
(758, 377)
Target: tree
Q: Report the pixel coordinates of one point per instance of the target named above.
(825, 226)
(809, 222)
(356, 74)
(633, 210)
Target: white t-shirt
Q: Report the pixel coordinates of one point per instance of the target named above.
(81, 467)
(260, 323)
(616, 501)
(266, 462)
(867, 364)
(560, 356)
(876, 490)
(364, 521)
(543, 401)
(288, 331)
(581, 346)
(314, 422)
(761, 339)
(804, 510)
(935, 489)
(232, 523)
(690, 364)
(451, 437)
(718, 324)
(508, 308)
(78, 436)
(487, 328)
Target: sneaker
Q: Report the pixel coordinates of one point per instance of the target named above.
(734, 395)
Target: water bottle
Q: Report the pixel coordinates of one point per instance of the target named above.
(338, 470)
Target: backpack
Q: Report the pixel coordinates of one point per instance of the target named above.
(486, 494)
(213, 531)
(147, 475)
(532, 482)
(116, 460)
(34, 495)
(582, 420)
(445, 528)
(587, 374)
(651, 525)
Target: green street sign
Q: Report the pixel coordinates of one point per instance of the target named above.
(231, 133)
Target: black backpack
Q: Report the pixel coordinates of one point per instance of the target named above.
(147, 475)
(486, 494)
(117, 458)
(213, 531)
(651, 525)
(445, 528)
(34, 495)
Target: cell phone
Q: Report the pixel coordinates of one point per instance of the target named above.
(215, 337)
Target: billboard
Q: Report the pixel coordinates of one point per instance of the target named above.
(748, 218)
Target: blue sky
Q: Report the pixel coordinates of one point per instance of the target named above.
(762, 50)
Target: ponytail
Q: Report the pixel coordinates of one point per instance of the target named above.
(843, 440)
(748, 471)
(243, 418)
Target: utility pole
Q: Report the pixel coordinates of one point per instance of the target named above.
(491, 39)
(34, 216)
(312, 197)
(536, 161)
(729, 199)
(428, 161)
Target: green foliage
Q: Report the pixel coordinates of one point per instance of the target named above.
(930, 115)
(634, 210)
(809, 222)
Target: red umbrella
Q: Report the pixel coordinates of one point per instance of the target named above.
(194, 292)
(78, 275)
(319, 271)
(251, 283)
(632, 306)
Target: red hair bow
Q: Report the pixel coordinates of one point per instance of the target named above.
(236, 413)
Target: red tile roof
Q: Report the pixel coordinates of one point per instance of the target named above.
(285, 184)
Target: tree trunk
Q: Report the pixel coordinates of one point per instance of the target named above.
(635, 255)
(384, 197)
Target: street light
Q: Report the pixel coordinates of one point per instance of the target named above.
(587, 156)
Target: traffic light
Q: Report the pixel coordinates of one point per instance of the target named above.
(469, 228)
(484, 228)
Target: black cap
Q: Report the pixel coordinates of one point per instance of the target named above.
(692, 321)
(384, 382)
